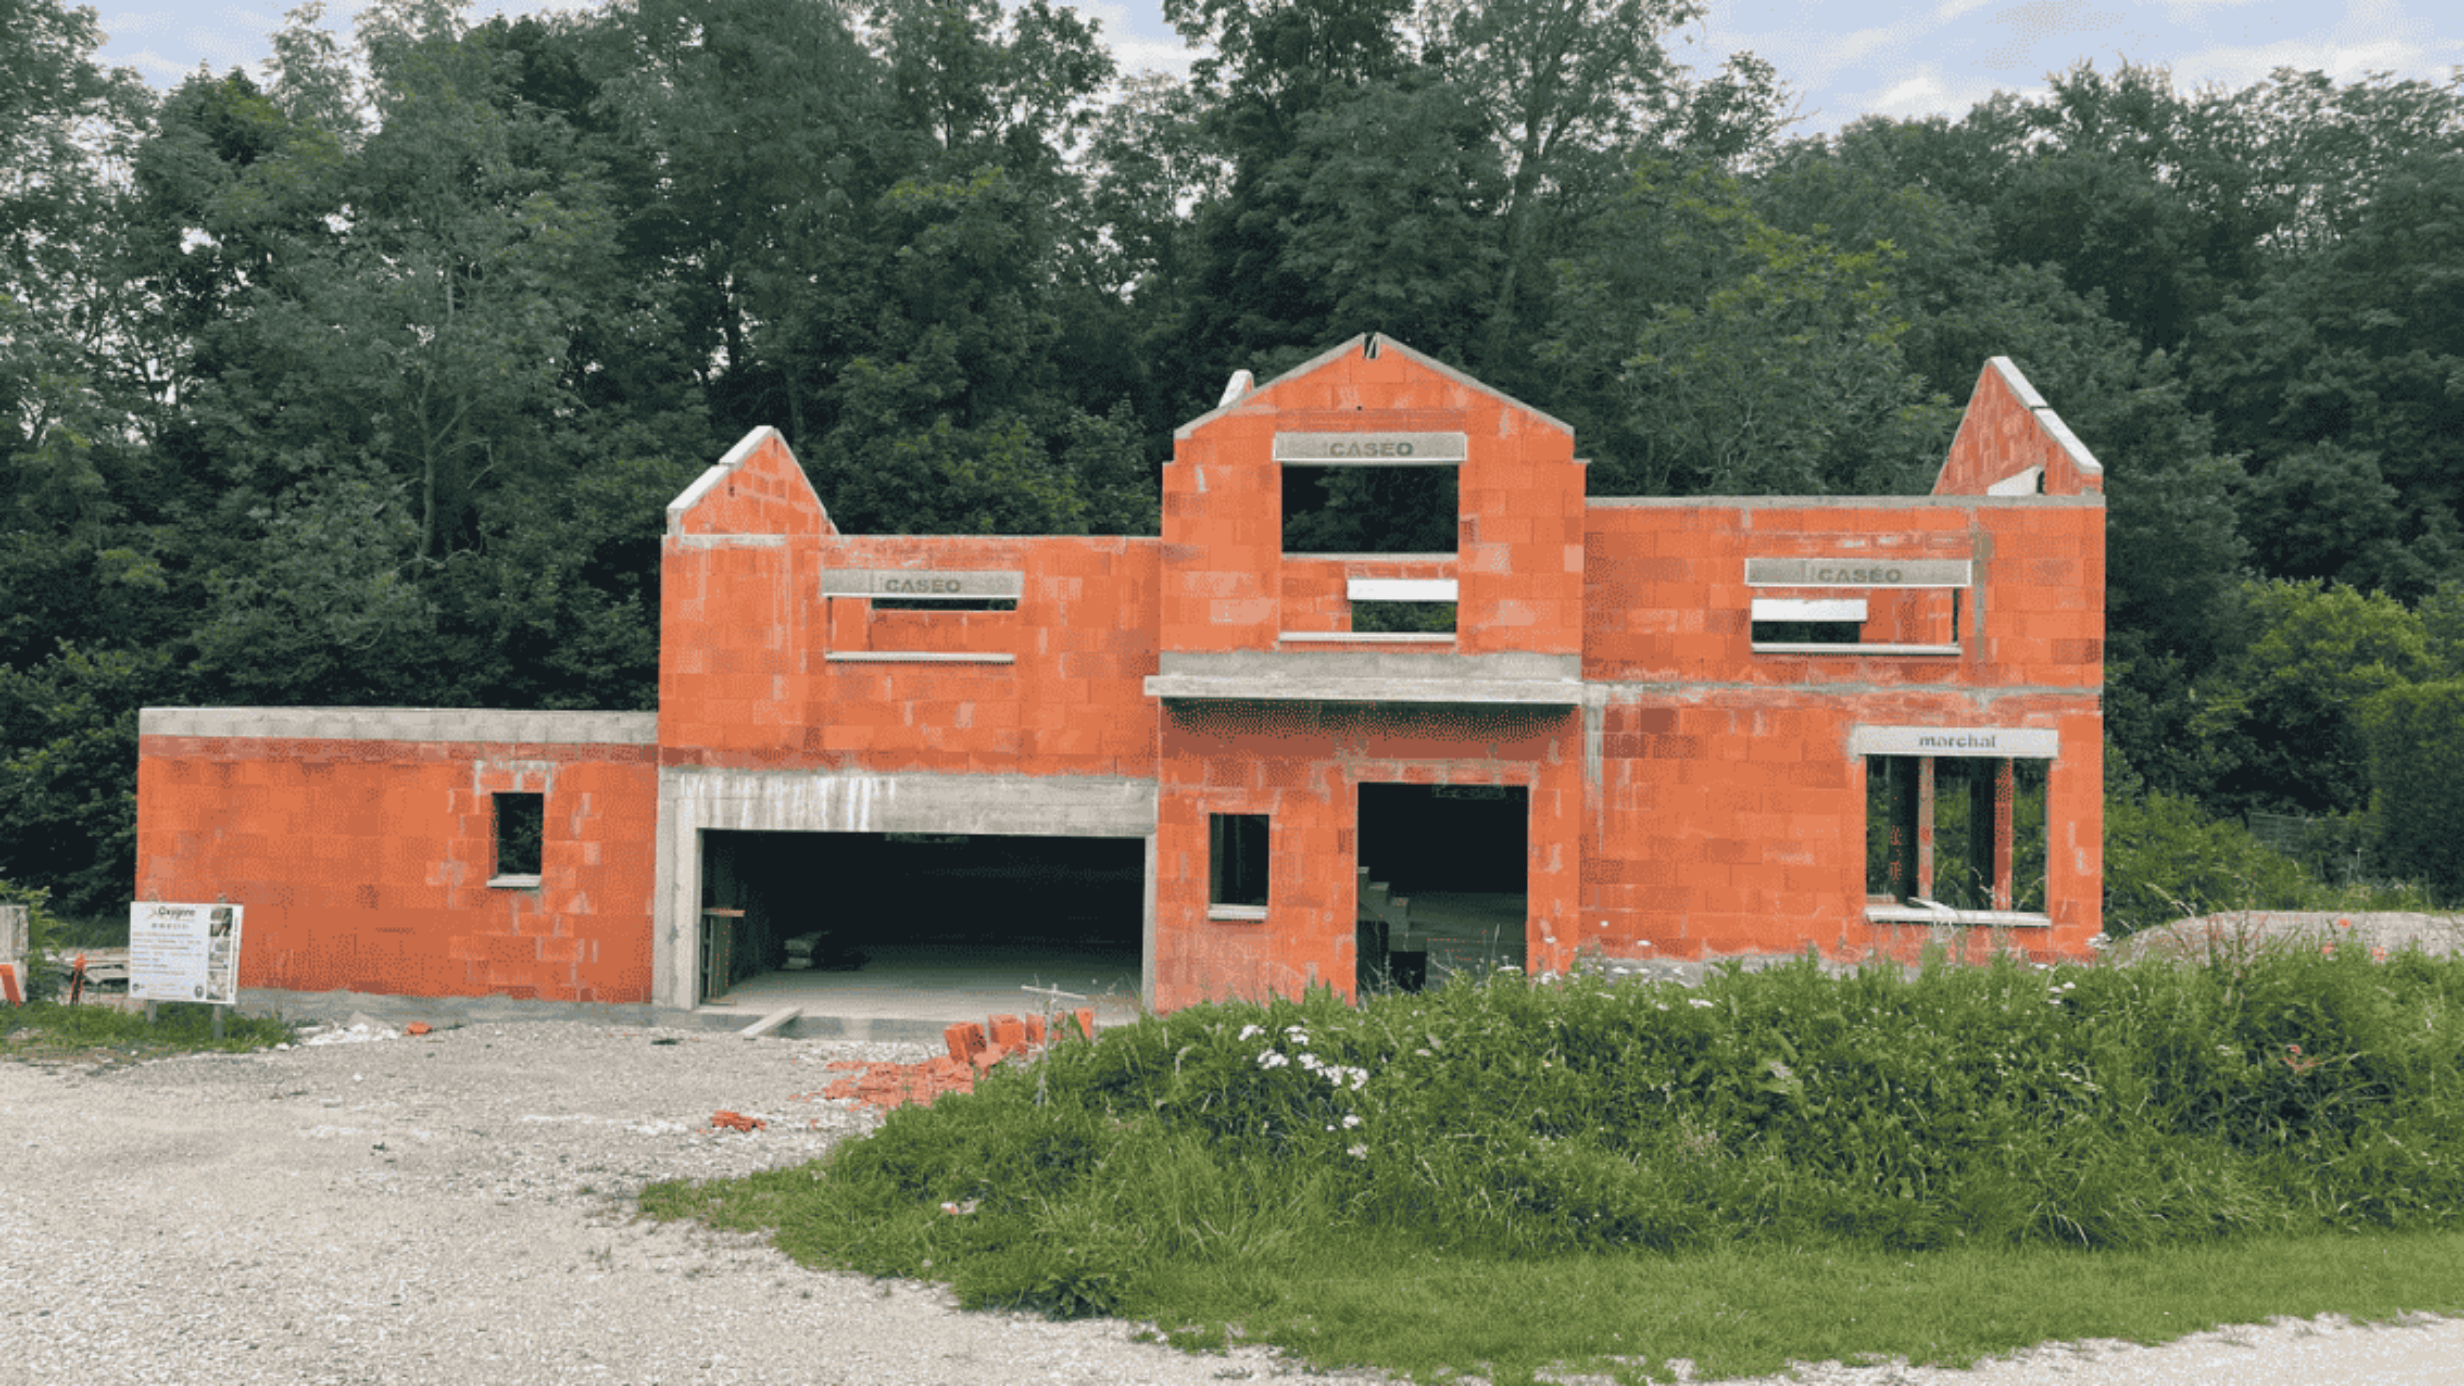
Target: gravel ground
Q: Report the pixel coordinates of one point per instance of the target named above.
(456, 1208)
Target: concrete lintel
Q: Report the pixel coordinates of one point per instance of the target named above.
(486, 725)
(732, 541)
(705, 799)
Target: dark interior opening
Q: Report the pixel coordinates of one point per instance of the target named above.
(848, 902)
(521, 824)
(1459, 855)
(1369, 509)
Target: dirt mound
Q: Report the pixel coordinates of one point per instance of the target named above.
(2384, 934)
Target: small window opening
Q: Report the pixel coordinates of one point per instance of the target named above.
(521, 823)
(1911, 620)
(1403, 618)
(1806, 632)
(1967, 832)
(1237, 861)
(1345, 509)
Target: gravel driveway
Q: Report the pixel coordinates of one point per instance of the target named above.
(456, 1208)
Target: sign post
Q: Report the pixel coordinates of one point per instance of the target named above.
(185, 953)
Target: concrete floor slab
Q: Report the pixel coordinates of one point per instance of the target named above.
(910, 991)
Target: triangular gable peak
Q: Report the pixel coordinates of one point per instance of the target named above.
(1240, 485)
(1370, 372)
(757, 488)
(2011, 443)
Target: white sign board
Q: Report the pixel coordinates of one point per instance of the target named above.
(924, 584)
(1373, 449)
(1860, 570)
(2011, 743)
(184, 952)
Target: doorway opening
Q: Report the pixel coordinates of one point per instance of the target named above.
(919, 925)
(1445, 873)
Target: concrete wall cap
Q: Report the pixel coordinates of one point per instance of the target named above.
(490, 725)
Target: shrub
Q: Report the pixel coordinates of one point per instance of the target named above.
(2011, 1104)
(2165, 859)
(2415, 736)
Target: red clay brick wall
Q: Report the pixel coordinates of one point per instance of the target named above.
(758, 488)
(1734, 821)
(2002, 435)
(364, 863)
(1314, 589)
(1731, 818)
(733, 620)
(1519, 554)
(1668, 599)
(1073, 702)
(1302, 764)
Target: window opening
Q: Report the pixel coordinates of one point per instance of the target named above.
(1237, 863)
(1349, 509)
(521, 824)
(1865, 605)
(1966, 832)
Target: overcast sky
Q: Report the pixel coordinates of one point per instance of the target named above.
(1843, 58)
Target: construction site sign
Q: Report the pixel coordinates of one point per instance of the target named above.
(184, 952)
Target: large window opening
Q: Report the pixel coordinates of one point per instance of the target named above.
(1444, 881)
(919, 925)
(521, 827)
(1370, 510)
(1968, 833)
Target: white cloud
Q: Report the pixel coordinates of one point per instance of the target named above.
(2239, 66)
(1917, 93)
(1150, 55)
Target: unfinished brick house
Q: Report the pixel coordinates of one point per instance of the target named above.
(1243, 757)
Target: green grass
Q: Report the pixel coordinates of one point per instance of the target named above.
(49, 1031)
(1775, 1165)
(1752, 1310)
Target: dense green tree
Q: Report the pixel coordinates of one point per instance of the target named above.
(1701, 349)
(2350, 362)
(2278, 721)
(2415, 736)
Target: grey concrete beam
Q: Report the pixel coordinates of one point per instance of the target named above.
(803, 801)
(489, 725)
(1369, 676)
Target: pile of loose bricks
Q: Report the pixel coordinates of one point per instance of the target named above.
(973, 1048)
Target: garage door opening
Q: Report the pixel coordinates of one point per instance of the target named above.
(1444, 881)
(920, 926)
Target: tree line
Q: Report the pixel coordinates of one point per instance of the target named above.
(365, 380)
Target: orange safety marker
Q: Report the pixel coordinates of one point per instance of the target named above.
(8, 985)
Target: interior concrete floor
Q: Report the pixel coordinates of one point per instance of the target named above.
(910, 990)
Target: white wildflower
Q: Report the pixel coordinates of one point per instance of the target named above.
(1252, 1031)
(1358, 1152)
(1350, 1122)
(1296, 1034)
(1271, 1059)
(1698, 1003)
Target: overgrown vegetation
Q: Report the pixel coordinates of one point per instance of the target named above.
(1195, 1169)
(107, 1034)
